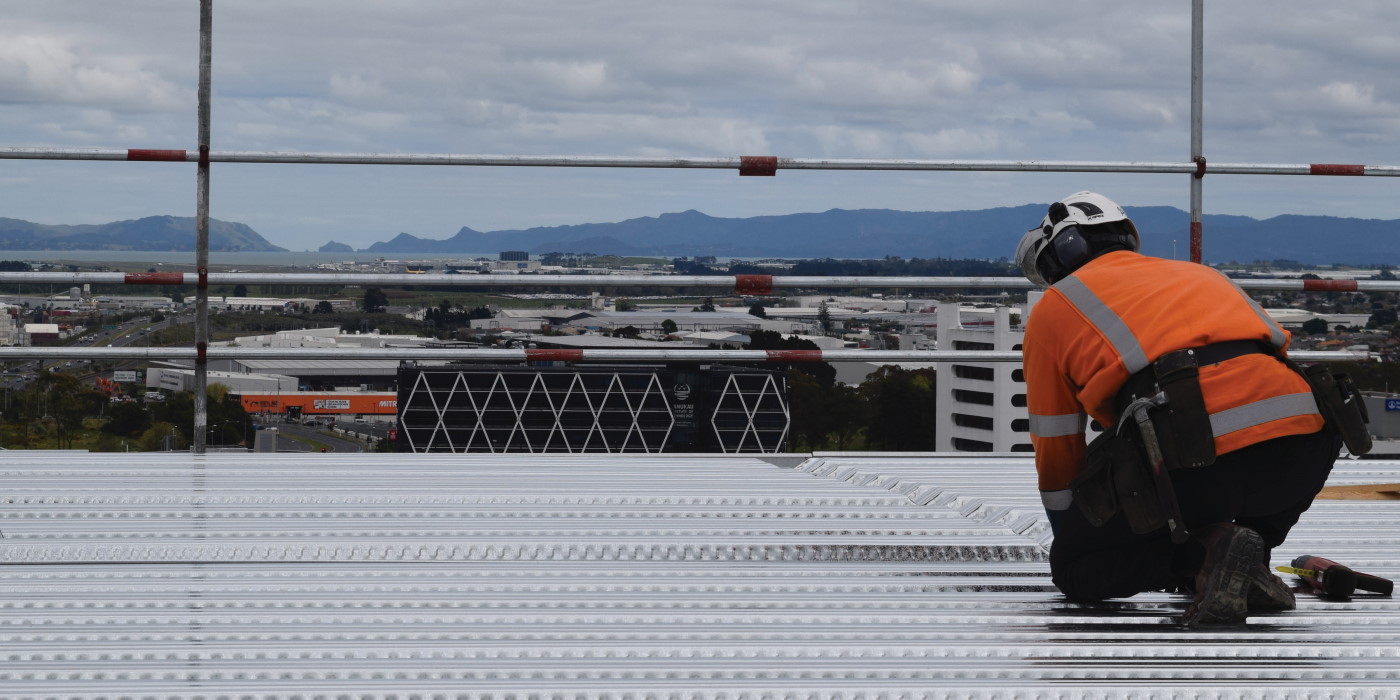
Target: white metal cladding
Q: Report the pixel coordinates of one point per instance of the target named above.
(527, 576)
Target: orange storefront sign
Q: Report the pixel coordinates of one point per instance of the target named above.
(322, 402)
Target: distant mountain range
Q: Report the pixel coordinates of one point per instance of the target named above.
(153, 233)
(838, 233)
(875, 233)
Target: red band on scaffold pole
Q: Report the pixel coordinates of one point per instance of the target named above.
(1335, 169)
(201, 351)
(794, 355)
(203, 278)
(154, 278)
(753, 285)
(556, 355)
(763, 166)
(154, 154)
(1195, 241)
(1329, 285)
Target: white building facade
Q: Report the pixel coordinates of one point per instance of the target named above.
(981, 405)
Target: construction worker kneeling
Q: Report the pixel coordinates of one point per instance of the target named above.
(1213, 441)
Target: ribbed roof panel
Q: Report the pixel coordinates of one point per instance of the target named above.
(512, 576)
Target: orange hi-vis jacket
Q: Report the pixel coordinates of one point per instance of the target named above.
(1116, 315)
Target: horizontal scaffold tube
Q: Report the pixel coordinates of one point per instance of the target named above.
(758, 285)
(557, 355)
(746, 165)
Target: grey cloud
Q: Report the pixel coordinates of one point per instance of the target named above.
(826, 78)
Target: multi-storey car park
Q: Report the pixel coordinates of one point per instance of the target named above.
(621, 576)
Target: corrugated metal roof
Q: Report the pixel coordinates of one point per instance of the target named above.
(516, 576)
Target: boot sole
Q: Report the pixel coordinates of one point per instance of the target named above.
(1225, 599)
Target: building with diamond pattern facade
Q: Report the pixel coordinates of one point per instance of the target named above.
(591, 409)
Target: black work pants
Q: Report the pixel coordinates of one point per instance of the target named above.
(1265, 487)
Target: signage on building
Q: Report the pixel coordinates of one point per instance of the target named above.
(1392, 404)
(124, 375)
(378, 402)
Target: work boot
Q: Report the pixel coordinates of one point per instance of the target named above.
(1267, 591)
(1227, 575)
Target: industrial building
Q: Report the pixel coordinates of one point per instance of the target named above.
(181, 379)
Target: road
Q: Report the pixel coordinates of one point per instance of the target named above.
(286, 443)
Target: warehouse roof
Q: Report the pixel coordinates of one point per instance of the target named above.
(619, 576)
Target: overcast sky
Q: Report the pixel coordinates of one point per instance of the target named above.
(1286, 81)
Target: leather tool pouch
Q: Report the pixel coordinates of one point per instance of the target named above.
(1183, 426)
(1341, 406)
(1118, 477)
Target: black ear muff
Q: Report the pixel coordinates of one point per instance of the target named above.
(1071, 249)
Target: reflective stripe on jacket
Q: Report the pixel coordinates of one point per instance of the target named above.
(1117, 314)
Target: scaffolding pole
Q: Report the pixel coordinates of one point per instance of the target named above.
(748, 285)
(1197, 99)
(201, 306)
(746, 165)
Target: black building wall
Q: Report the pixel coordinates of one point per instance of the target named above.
(647, 409)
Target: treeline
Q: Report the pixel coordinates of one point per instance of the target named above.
(59, 411)
(894, 409)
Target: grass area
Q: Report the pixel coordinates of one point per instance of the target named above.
(40, 436)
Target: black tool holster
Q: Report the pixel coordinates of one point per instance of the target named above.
(1118, 473)
(1341, 405)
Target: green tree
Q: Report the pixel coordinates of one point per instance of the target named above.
(162, 437)
(1315, 326)
(126, 419)
(323, 307)
(824, 318)
(57, 403)
(903, 408)
(668, 327)
(375, 300)
(227, 421)
(240, 290)
(823, 372)
(758, 310)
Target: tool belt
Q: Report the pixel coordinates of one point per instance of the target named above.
(1118, 474)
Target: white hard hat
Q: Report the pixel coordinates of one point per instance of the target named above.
(1059, 243)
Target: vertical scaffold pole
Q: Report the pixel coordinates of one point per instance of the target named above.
(201, 308)
(1197, 95)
